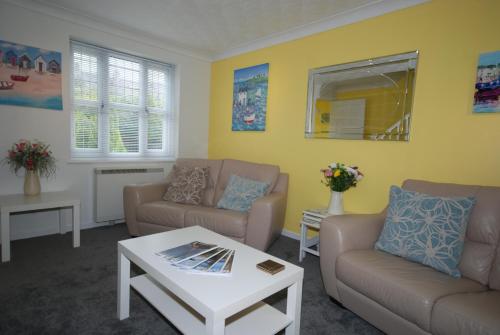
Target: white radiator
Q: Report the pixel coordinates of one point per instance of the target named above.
(109, 183)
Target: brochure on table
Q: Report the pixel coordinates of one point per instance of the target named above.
(200, 258)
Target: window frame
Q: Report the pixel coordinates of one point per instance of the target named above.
(104, 109)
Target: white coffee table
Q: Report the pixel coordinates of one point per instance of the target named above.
(18, 203)
(206, 304)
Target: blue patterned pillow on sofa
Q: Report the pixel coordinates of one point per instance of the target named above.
(240, 193)
(426, 229)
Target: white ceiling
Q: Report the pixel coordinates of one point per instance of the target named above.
(222, 27)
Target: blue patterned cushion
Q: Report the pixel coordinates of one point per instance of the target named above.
(240, 193)
(426, 229)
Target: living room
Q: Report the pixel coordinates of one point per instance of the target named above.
(448, 141)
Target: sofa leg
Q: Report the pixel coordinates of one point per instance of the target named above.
(338, 303)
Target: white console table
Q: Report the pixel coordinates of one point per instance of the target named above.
(18, 203)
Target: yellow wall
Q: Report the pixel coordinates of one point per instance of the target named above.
(448, 143)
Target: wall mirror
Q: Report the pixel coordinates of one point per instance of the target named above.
(365, 100)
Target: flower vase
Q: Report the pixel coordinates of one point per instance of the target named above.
(31, 183)
(336, 206)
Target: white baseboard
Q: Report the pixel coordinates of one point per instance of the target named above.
(91, 225)
(36, 231)
(290, 234)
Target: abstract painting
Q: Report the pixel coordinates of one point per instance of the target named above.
(250, 98)
(487, 94)
(30, 76)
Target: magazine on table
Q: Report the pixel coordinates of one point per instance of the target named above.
(185, 251)
(206, 265)
(226, 265)
(196, 260)
(199, 257)
(222, 267)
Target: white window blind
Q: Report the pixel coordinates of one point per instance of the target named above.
(122, 105)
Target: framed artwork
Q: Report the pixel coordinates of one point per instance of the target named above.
(250, 98)
(30, 76)
(487, 94)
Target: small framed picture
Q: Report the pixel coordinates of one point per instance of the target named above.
(250, 98)
(487, 93)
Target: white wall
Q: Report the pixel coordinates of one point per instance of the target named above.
(53, 31)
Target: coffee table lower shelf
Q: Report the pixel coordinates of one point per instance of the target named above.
(257, 319)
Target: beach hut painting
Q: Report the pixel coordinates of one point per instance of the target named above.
(30, 76)
(487, 94)
(250, 98)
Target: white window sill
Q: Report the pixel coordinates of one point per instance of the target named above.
(120, 160)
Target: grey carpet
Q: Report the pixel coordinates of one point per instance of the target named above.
(51, 288)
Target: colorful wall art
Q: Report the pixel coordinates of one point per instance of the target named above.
(250, 98)
(487, 95)
(30, 76)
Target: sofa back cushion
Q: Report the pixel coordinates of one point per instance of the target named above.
(187, 185)
(261, 172)
(241, 193)
(479, 261)
(213, 175)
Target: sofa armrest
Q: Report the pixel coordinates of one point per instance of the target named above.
(265, 220)
(342, 233)
(135, 195)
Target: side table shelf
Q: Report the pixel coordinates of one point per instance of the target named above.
(311, 219)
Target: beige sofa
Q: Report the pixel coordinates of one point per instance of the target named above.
(401, 297)
(147, 213)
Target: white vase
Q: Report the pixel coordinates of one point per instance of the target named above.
(336, 206)
(31, 183)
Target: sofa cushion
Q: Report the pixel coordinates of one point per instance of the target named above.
(483, 229)
(187, 185)
(222, 221)
(261, 172)
(214, 166)
(468, 313)
(426, 229)
(241, 193)
(164, 213)
(406, 288)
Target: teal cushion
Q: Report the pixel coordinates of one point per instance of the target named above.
(240, 193)
(426, 229)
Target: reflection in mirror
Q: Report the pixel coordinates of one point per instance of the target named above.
(366, 100)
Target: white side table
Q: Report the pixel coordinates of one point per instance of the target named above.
(311, 219)
(17, 203)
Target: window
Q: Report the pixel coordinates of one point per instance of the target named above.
(122, 106)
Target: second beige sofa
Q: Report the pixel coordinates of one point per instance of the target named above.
(147, 213)
(402, 297)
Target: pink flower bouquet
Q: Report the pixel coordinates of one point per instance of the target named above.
(340, 178)
(33, 156)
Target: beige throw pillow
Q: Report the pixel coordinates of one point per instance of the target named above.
(187, 185)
